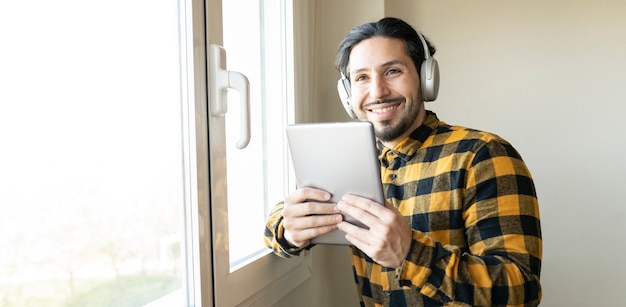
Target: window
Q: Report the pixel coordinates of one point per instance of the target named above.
(104, 171)
(258, 43)
(255, 42)
(92, 179)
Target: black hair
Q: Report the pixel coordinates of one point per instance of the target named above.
(387, 27)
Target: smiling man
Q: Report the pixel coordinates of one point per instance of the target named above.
(385, 88)
(461, 223)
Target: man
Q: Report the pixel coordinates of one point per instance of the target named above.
(461, 224)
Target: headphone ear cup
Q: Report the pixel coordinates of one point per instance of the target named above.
(429, 79)
(343, 88)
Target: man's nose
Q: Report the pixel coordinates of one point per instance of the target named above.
(378, 88)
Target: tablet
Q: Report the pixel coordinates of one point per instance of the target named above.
(340, 158)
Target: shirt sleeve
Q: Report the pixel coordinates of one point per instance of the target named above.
(274, 234)
(502, 263)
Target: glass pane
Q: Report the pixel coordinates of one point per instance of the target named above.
(254, 41)
(91, 172)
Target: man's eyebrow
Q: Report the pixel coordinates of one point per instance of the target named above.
(386, 64)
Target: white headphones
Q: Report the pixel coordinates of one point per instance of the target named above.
(429, 81)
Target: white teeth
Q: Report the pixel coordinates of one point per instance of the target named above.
(383, 110)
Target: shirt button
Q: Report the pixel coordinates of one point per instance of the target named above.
(393, 176)
(388, 292)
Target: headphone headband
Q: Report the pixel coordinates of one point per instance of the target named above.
(424, 45)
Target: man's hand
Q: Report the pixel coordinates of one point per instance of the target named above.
(388, 239)
(307, 214)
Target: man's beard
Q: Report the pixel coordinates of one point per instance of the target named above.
(387, 132)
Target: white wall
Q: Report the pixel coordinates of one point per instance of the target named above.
(549, 77)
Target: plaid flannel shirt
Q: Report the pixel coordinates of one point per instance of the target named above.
(473, 208)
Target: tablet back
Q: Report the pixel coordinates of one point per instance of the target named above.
(340, 158)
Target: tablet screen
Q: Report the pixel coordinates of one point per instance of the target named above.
(340, 158)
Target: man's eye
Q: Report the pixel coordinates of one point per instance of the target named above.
(360, 78)
(393, 71)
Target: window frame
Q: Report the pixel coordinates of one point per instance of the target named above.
(267, 279)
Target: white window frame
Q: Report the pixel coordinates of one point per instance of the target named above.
(269, 278)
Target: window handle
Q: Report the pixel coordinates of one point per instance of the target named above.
(220, 81)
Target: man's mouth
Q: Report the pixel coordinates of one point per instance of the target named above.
(384, 106)
(384, 110)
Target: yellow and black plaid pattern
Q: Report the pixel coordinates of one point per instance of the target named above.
(472, 205)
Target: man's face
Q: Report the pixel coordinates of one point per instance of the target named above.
(385, 88)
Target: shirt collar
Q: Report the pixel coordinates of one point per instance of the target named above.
(407, 147)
